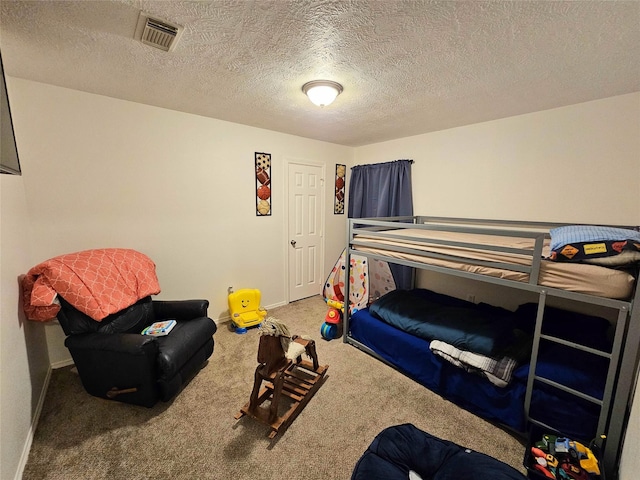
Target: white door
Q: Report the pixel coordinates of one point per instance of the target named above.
(306, 225)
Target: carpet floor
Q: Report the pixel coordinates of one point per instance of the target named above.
(195, 436)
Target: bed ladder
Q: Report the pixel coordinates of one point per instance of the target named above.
(612, 373)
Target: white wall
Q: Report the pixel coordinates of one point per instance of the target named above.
(630, 460)
(100, 172)
(572, 164)
(24, 358)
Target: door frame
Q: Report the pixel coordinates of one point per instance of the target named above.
(323, 167)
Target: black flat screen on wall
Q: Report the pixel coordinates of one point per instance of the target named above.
(9, 162)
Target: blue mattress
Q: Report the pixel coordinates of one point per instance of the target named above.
(566, 413)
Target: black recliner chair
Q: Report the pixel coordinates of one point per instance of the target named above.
(115, 361)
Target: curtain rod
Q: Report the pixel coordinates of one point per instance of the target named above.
(382, 163)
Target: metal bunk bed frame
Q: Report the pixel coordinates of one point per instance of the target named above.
(623, 359)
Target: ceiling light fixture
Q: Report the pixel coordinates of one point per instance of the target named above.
(322, 92)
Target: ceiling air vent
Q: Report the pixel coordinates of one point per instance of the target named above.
(157, 33)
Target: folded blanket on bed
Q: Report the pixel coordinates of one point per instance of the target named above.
(480, 328)
(498, 370)
(96, 282)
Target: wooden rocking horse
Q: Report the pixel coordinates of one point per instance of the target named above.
(285, 373)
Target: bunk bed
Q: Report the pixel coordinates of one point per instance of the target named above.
(572, 373)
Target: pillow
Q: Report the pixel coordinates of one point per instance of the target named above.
(587, 330)
(588, 233)
(574, 243)
(623, 258)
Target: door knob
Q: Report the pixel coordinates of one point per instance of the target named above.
(293, 243)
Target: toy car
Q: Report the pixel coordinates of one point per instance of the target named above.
(587, 459)
(575, 473)
(564, 445)
(548, 443)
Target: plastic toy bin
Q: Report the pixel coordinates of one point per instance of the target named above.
(574, 456)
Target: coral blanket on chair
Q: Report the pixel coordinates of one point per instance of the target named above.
(96, 282)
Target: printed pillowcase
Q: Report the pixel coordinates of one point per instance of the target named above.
(606, 246)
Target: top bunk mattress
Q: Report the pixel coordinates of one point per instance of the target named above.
(417, 244)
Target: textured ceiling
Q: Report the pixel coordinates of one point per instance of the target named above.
(407, 67)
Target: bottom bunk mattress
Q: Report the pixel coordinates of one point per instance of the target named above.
(571, 415)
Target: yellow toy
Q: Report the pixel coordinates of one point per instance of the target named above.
(588, 461)
(245, 309)
(336, 304)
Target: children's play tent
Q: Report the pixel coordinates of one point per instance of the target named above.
(369, 280)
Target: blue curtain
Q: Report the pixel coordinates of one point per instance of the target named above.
(383, 190)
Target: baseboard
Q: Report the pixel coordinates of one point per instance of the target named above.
(34, 424)
(275, 305)
(62, 363)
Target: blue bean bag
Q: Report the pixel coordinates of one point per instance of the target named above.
(401, 449)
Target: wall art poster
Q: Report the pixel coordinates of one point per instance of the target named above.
(263, 184)
(341, 172)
